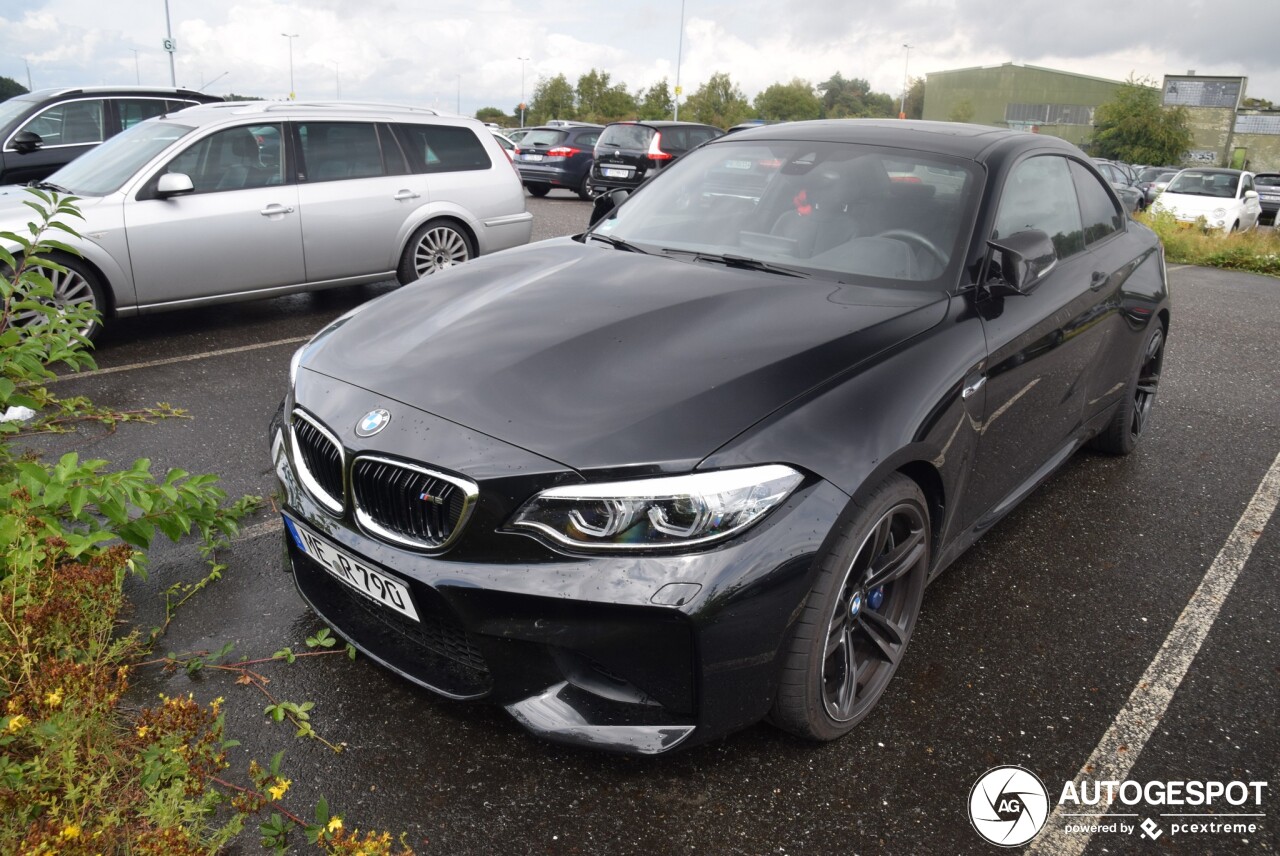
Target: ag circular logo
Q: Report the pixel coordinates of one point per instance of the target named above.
(372, 422)
(1008, 805)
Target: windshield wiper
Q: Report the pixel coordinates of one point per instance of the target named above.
(618, 243)
(47, 185)
(742, 262)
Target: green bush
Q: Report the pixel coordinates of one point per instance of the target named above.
(1256, 251)
(79, 771)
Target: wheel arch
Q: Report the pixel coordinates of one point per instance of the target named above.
(450, 217)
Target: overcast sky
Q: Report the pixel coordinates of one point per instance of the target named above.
(428, 52)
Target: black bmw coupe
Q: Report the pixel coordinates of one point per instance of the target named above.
(695, 467)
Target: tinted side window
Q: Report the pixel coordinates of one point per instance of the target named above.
(1099, 211)
(588, 141)
(443, 148)
(134, 110)
(232, 159)
(69, 124)
(1039, 194)
(334, 151)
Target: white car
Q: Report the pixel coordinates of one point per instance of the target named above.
(233, 201)
(1225, 198)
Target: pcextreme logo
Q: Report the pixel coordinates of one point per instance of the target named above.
(1009, 806)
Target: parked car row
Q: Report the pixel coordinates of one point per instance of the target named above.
(589, 159)
(1226, 199)
(231, 201)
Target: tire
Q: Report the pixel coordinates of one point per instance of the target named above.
(79, 284)
(844, 650)
(1125, 428)
(584, 189)
(539, 189)
(435, 246)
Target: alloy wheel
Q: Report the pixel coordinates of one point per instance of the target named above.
(874, 613)
(1144, 394)
(439, 248)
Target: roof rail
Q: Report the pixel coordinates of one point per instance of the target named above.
(348, 105)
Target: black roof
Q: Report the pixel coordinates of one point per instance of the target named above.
(155, 91)
(974, 142)
(663, 123)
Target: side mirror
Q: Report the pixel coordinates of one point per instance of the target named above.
(1022, 259)
(1251, 194)
(26, 142)
(174, 184)
(605, 203)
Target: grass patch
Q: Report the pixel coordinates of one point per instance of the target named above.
(1255, 251)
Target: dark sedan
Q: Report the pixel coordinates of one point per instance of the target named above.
(696, 466)
(1268, 185)
(557, 156)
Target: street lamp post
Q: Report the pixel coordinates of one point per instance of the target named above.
(679, 57)
(906, 80)
(291, 37)
(168, 45)
(337, 82)
(137, 73)
(523, 60)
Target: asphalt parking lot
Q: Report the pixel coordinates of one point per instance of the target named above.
(1026, 652)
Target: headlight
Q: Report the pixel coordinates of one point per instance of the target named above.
(1220, 213)
(671, 511)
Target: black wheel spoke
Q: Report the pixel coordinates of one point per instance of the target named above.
(901, 557)
(885, 635)
(840, 676)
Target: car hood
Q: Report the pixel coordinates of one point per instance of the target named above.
(604, 359)
(13, 209)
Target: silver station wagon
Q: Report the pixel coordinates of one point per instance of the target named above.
(235, 201)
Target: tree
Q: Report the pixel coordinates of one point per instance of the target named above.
(553, 98)
(915, 99)
(718, 102)
(1133, 127)
(853, 99)
(655, 102)
(962, 112)
(601, 101)
(788, 102)
(494, 115)
(10, 87)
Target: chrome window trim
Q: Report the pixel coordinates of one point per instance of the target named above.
(8, 144)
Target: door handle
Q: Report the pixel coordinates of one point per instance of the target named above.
(271, 210)
(1098, 280)
(972, 385)
(406, 194)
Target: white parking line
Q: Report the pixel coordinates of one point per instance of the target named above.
(1120, 747)
(183, 359)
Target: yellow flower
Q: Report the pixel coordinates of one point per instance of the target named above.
(143, 729)
(17, 723)
(71, 831)
(335, 823)
(278, 789)
(217, 703)
(54, 699)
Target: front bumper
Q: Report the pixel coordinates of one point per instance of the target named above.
(632, 653)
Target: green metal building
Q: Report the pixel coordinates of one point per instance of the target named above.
(1022, 97)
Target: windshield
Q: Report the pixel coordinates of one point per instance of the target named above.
(1152, 173)
(110, 165)
(832, 210)
(1197, 182)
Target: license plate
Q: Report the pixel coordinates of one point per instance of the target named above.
(352, 572)
(531, 157)
(615, 173)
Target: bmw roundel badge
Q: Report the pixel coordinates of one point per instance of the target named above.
(372, 422)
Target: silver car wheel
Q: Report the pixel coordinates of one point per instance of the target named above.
(71, 287)
(439, 247)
